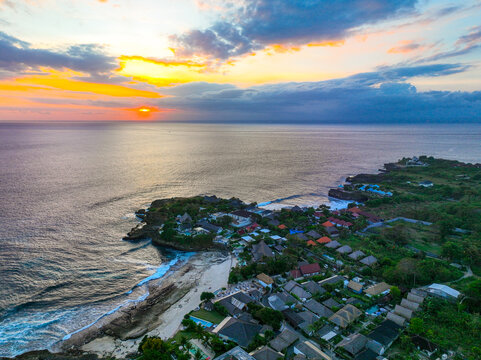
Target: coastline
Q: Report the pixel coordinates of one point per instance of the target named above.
(160, 314)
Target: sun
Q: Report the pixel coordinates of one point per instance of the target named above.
(144, 112)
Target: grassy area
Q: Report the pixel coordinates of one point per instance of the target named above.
(211, 316)
(183, 334)
(450, 328)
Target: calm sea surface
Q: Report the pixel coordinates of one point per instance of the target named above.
(68, 192)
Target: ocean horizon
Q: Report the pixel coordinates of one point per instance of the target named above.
(69, 192)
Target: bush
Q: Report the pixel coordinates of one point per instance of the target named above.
(206, 296)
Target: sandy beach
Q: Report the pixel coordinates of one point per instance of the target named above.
(161, 313)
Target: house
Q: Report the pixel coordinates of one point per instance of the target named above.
(327, 332)
(347, 315)
(276, 303)
(314, 288)
(332, 231)
(310, 350)
(382, 337)
(404, 312)
(248, 238)
(426, 183)
(369, 260)
(279, 248)
(346, 249)
(296, 274)
(339, 222)
(300, 293)
(411, 305)
(201, 230)
(399, 320)
(357, 254)
(293, 318)
(311, 243)
(415, 298)
(255, 294)
(377, 289)
(313, 234)
(266, 353)
(331, 303)
(297, 209)
(310, 269)
(300, 237)
(241, 332)
(368, 354)
(291, 284)
(327, 224)
(285, 339)
(261, 250)
(210, 227)
(236, 353)
(443, 291)
(371, 218)
(353, 343)
(355, 286)
(333, 244)
(323, 240)
(318, 308)
(208, 305)
(309, 319)
(332, 280)
(265, 280)
(185, 219)
(252, 227)
(236, 303)
(282, 227)
(241, 218)
(287, 298)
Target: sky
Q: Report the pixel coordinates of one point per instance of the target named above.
(257, 61)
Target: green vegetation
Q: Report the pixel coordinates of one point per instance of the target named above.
(266, 315)
(445, 324)
(272, 266)
(206, 296)
(211, 316)
(453, 202)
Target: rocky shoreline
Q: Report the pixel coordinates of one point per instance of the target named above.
(160, 314)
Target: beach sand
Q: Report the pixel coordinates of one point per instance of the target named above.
(162, 312)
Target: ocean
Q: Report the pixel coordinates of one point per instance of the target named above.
(69, 191)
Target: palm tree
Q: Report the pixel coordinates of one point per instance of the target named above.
(198, 355)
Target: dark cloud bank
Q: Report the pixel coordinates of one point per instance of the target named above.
(262, 22)
(17, 56)
(375, 97)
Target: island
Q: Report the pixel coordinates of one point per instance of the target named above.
(396, 274)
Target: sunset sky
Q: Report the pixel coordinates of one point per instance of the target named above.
(237, 60)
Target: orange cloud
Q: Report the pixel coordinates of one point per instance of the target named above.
(281, 49)
(189, 63)
(62, 80)
(404, 47)
(327, 43)
(161, 72)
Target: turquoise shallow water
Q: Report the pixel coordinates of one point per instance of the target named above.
(68, 193)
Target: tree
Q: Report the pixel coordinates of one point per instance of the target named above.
(396, 293)
(416, 326)
(451, 251)
(206, 296)
(220, 309)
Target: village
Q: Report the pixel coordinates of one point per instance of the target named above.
(304, 286)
